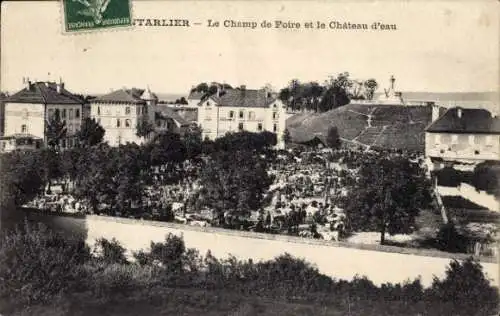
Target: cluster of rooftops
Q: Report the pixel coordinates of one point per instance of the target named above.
(455, 120)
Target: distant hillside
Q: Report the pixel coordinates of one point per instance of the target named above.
(386, 126)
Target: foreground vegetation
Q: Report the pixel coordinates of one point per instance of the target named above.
(44, 273)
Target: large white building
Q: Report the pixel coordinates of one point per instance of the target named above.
(120, 111)
(28, 113)
(241, 109)
(463, 135)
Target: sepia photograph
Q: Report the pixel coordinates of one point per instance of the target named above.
(167, 157)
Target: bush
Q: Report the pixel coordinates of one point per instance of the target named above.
(110, 251)
(38, 264)
(450, 239)
(467, 288)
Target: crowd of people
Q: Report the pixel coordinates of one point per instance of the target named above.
(305, 199)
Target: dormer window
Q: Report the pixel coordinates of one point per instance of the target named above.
(241, 114)
(231, 114)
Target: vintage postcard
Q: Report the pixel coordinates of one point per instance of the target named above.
(249, 157)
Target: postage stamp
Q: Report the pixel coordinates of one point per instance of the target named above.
(87, 15)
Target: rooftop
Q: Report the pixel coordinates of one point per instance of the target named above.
(460, 120)
(166, 112)
(243, 98)
(134, 96)
(45, 93)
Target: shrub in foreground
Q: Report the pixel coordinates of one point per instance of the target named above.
(37, 264)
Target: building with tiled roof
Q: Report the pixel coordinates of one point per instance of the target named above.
(120, 111)
(194, 98)
(30, 110)
(241, 109)
(167, 119)
(464, 135)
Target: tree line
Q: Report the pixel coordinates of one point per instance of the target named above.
(333, 93)
(311, 96)
(119, 176)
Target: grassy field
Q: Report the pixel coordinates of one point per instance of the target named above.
(393, 126)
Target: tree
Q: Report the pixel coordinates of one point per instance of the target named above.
(144, 128)
(166, 148)
(388, 195)
(466, 286)
(333, 138)
(286, 136)
(21, 178)
(370, 86)
(91, 133)
(193, 142)
(235, 182)
(55, 130)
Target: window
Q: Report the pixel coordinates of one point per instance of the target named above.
(240, 126)
(70, 127)
(145, 110)
(231, 114)
(127, 110)
(127, 123)
(454, 139)
(275, 128)
(24, 129)
(488, 140)
(251, 115)
(274, 105)
(275, 115)
(98, 110)
(70, 114)
(137, 110)
(57, 113)
(476, 152)
(208, 103)
(118, 122)
(158, 123)
(77, 113)
(63, 143)
(437, 139)
(241, 114)
(471, 140)
(63, 116)
(51, 114)
(259, 127)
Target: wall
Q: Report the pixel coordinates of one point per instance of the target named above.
(215, 121)
(30, 114)
(487, 146)
(109, 113)
(472, 194)
(337, 260)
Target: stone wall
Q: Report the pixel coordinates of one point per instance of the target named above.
(379, 263)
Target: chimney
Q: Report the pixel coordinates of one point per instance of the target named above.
(60, 86)
(435, 112)
(459, 113)
(27, 83)
(243, 87)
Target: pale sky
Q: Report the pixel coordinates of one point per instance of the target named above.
(438, 47)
